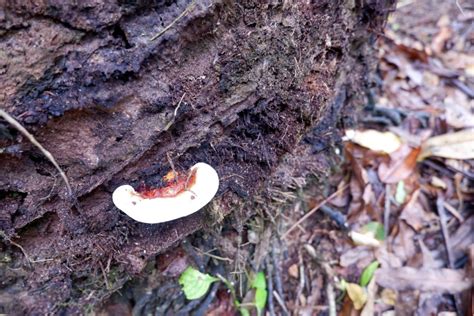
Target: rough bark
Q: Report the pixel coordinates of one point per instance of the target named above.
(263, 85)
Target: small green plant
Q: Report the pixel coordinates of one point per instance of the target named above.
(195, 284)
(260, 286)
(368, 273)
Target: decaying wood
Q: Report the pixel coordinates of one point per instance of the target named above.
(260, 86)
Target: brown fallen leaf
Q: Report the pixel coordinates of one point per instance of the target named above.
(434, 280)
(458, 145)
(402, 164)
(356, 255)
(403, 245)
(445, 33)
(462, 238)
(415, 215)
(293, 271)
(458, 116)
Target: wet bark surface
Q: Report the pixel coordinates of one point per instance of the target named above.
(262, 86)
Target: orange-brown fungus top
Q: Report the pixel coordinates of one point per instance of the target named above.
(175, 184)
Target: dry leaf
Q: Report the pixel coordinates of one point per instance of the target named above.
(458, 116)
(370, 304)
(385, 142)
(357, 294)
(367, 239)
(445, 33)
(438, 182)
(403, 245)
(389, 296)
(356, 255)
(401, 165)
(459, 145)
(386, 258)
(435, 280)
(429, 260)
(462, 238)
(415, 215)
(293, 271)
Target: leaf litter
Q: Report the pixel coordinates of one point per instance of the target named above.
(404, 192)
(433, 162)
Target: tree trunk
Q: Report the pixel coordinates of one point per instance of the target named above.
(254, 88)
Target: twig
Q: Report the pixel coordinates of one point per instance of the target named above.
(271, 306)
(106, 281)
(386, 212)
(314, 209)
(186, 11)
(331, 299)
(5, 237)
(207, 253)
(453, 211)
(444, 228)
(276, 267)
(175, 113)
(460, 8)
(33, 140)
(282, 304)
(170, 161)
(443, 222)
(331, 296)
(301, 284)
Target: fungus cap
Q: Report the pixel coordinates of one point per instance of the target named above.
(164, 209)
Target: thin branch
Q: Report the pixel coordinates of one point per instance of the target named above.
(5, 237)
(175, 113)
(314, 209)
(444, 229)
(186, 11)
(33, 140)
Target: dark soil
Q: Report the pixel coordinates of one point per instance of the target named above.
(263, 87)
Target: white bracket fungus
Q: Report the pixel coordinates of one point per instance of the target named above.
(184, 195)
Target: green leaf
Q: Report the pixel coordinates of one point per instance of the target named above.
(260, 299)
(244, 312)
(368, 273)
(259, 281)
(400, 194)
(260, 286)
(376, 229)
(195, 284)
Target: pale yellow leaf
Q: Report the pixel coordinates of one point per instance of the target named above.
(389, 296)
(439, 183)
(371, 296)
(385, 142)
(357, 294)
(459, 145)
(366, 239)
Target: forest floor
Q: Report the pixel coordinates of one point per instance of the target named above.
(389, 232)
